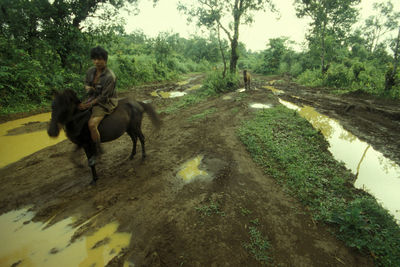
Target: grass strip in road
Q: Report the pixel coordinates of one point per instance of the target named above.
(185, 101)
(289, 149)
(203, 115)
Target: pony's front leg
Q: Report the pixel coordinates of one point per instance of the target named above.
(94, 175)
(91, 156)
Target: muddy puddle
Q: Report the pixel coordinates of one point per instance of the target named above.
(260, 106)
(40, 244)
(191, 169)
(20, 138)
(376, 174)
(172, 94)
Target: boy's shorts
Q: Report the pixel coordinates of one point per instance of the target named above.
(99, 111)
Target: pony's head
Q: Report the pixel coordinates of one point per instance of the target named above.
(62, 108)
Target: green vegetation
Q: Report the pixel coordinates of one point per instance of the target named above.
(258, 246)
(216, 83)
(211, 209)
(245, 211)
(295, 154)
(203, 115)
(185, 101)
(365, 59)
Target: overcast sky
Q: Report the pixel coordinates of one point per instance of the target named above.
(165, 17)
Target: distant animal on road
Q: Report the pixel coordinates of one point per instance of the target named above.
(127, 117)
(246, 79)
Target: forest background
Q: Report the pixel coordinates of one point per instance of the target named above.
(44, 46)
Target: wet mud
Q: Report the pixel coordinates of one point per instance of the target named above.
(160, 210)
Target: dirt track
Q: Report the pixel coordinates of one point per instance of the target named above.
(163, 212)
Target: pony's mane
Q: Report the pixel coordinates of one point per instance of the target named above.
(70, 96)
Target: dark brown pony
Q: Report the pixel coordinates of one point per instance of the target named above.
(127, 117)
(246, 79)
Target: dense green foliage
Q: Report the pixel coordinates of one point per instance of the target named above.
(336, 56)
(296, 154)
(44, 46)
(32, 68)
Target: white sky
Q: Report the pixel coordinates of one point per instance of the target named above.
(165, 17)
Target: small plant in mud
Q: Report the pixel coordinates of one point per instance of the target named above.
(258, 246)
(241, 97)
(208, 210)
(244, 211)
(202, 115)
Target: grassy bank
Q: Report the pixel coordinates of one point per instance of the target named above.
(295, 154)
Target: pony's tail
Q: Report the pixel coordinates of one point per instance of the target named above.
(155, 119)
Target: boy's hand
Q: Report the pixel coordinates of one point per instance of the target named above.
(83, 106)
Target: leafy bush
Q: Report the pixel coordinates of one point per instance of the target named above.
(337, 76)
(311, 78)
(214, 82)
(21, 80)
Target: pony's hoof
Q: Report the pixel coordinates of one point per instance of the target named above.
(93, 182)
(92, 161)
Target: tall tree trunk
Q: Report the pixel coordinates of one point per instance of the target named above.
(396, 54)
(323, 69)
(234, 42)
(222, 52)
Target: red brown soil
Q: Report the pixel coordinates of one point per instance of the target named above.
(148, 200)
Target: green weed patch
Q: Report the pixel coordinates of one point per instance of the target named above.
(293, 152)
(202, 115)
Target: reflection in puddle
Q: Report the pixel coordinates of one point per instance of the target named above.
(163, 94)
(190, 169)
(375, 173)
(259, 105)
(273, 89)
(34, 244)
(15, 147)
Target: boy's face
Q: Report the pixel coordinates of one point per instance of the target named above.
(100, 63)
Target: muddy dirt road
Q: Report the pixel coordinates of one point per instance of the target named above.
(205, 221)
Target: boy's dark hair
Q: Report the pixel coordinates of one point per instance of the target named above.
(98, 52)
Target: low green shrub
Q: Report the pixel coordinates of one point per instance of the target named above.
(215, 82)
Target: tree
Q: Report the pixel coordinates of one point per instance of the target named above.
(391, 73)
(28, 23)
(377, 26)
(227, 15)
(331, 21)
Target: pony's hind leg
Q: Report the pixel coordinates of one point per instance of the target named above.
(134, 141)
(136, 133)
(141, 138)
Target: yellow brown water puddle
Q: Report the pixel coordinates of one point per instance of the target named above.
(190, 169)
(375, 173)
(273, 89)
(34, 244)
(194, 87)
(15, 147)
